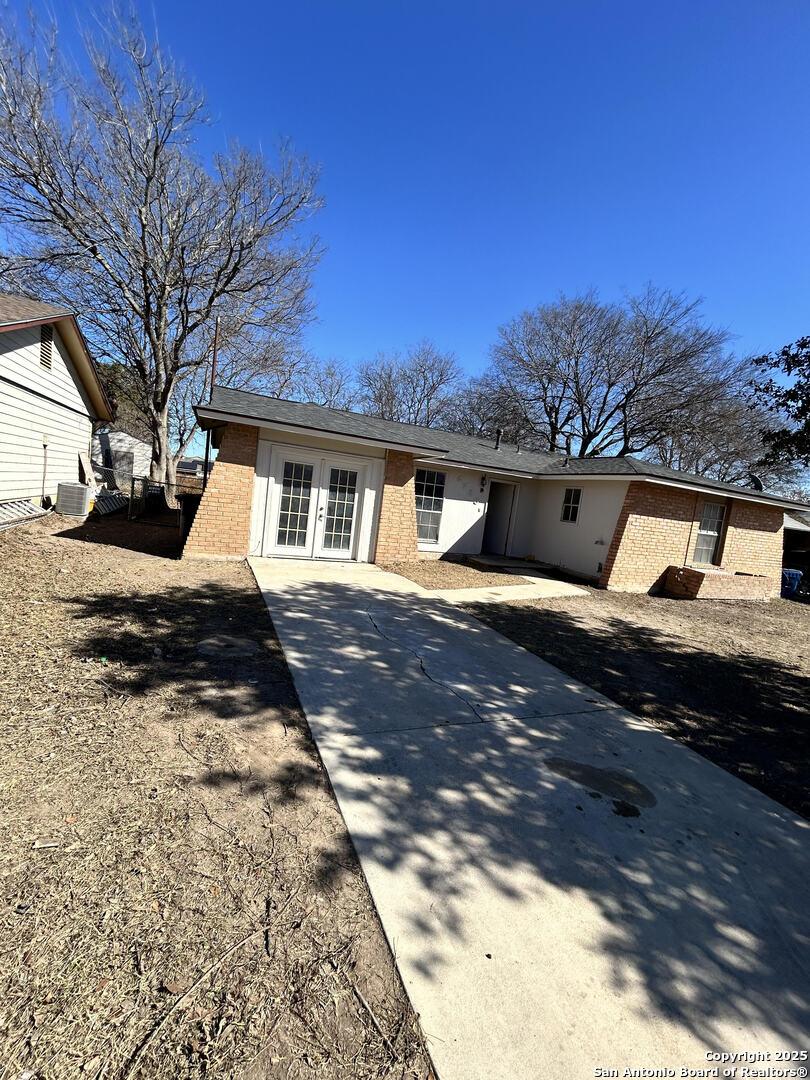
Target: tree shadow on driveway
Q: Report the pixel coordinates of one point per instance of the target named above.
(698, 901)
(749, 714)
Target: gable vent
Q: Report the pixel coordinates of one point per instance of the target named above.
(46, 346)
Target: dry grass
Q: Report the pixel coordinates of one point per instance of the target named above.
(179, 895)
(452, 573)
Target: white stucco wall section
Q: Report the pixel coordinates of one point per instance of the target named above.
(58, 414)
(275, 444)
(461, 529)
(580, 546)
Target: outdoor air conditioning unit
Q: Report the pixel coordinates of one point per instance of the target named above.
(73, 500)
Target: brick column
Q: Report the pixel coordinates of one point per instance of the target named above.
(221, 528)
(396, 533)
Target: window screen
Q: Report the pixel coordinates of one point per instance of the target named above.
(710, 530)
(570, 506)
(429, 502)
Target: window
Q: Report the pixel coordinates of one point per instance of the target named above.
(710, 531)
(46, 346)
(429, 502)
(570, 507)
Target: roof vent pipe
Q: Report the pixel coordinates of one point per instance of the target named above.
(498, 437)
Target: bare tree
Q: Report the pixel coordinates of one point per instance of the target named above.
(594, 378)
(721, 437)
(109, 209)
(484, 405)
(418, 388)
(330, 383)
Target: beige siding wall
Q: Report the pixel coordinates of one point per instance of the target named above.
(61, 417)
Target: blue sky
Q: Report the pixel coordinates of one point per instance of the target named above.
(479, 158)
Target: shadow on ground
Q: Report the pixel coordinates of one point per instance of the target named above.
(747, 713)
(700, 892)
(145, 538)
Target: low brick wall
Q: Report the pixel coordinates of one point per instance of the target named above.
(688, 583)
(221, 527)
(657, 529)
(396, 534)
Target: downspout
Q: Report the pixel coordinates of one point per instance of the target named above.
(44, 467)
(210, 395)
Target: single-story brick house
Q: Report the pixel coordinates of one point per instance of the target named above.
(299, 480)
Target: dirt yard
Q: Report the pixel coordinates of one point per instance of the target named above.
(451, 573)
(731, 680)
(180, 897)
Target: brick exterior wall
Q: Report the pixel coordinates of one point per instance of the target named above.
(755, 540)
(396, 534)
(686, 583)
(657, 529)
(221, 528)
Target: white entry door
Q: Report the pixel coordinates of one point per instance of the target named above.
(315, 506)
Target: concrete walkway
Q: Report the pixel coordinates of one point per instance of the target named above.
(565, 888)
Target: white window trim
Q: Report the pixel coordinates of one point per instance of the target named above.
(717, 554)
(437, 473)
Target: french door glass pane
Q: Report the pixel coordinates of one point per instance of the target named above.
(340, 506)
(296, 494)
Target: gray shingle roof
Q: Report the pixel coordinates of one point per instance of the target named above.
(20, 309)
(797, 519)
(452, 448)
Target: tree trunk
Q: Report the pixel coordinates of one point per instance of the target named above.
(161, 452)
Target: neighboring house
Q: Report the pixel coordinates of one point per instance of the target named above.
(50, 396)
(114, 448)
(797, 542)
(300, 480)
(192, 466)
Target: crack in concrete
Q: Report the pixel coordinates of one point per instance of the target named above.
(597, 706)
(424, 670)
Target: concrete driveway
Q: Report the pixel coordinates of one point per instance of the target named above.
(565, 888)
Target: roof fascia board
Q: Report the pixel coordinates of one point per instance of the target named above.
(768, 500)
(26, 324)
(450, 464)
(208, 413)
(79, 353)
(685, 485)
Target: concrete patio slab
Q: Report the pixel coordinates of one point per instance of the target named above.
(286, 573)
(565, 888)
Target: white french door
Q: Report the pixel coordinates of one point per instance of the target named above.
(315, 505)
